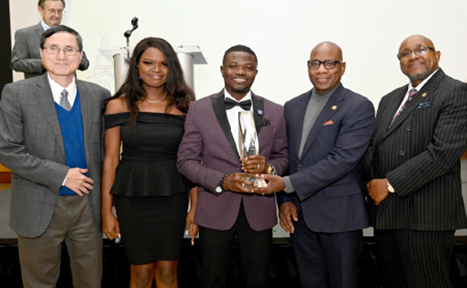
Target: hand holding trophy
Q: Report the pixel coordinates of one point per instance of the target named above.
(249, 146)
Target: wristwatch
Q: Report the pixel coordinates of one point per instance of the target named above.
(220, 185)
(271, 170)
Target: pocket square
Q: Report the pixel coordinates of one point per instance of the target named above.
(266, 122)
(329, 122)
(424, 104)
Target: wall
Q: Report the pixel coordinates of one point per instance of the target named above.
(282, 33)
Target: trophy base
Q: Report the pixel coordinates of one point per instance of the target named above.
(257, 182)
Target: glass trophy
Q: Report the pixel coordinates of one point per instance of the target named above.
(248, 142)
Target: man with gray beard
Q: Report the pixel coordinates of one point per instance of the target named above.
(414, 164)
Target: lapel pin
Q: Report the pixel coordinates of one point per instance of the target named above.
(424, 94)
(334, 107)
(260, 112)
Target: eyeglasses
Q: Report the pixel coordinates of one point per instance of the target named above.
(328, 64)
(419, 51)
(69, 51)
(53, 11)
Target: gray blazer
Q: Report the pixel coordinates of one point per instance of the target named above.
(31, 146)
(420, 157)
(26, 57)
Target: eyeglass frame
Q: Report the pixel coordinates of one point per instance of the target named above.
(55, 52)
(53, 11)
(417, 52)
(322, 62)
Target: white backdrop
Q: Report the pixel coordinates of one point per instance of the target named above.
(282, 33)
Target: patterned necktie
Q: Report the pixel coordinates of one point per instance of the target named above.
(412, 93)
(64, 100)
(245, 105)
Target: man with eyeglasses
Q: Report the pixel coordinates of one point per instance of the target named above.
(414, 164)
(51, 139)
(25, 56)
(323, 206)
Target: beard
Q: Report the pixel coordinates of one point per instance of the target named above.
(419, 76)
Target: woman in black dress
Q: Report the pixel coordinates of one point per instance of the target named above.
(146, 116)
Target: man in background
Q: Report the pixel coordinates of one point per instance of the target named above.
(25, 56)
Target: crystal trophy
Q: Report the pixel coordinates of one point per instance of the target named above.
(248, 142)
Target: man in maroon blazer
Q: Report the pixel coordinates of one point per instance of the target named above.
(227, 211)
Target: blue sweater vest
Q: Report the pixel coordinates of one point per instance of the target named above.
(71, 124)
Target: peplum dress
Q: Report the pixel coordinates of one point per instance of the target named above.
(151, 196)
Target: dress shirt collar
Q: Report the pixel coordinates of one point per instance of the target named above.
(45, 26)
(420, 86)
(57, 90)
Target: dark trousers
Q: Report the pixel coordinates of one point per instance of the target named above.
(216, 251)
(414, 259)
(326, 259)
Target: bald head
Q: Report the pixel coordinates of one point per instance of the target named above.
(418, 58)
(417, 38)
(328, 46)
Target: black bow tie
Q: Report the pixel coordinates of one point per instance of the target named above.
(229, 104)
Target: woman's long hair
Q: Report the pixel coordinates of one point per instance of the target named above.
(132, 89)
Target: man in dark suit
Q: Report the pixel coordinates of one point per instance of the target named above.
(208, 155)
(50, 138)
(414, 161)
(329, 129)
(25, 56)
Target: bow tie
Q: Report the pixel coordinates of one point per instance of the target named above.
(229, 104)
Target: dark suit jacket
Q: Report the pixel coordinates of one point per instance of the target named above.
(31, 146)
(26, 57)
(208, 137)
(328, 177)
(420, 156)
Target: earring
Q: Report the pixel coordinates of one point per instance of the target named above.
(139, 77)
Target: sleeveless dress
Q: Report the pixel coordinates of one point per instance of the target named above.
(151, 196)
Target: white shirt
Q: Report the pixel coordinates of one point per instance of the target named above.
(57, 90)
(45, 26)
(232, 115)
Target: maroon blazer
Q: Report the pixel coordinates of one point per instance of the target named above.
(208, 137)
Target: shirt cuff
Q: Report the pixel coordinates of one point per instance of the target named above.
(288, 185)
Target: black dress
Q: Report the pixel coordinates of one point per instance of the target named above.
(150, 194)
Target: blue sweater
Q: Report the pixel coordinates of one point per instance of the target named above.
(71, 124)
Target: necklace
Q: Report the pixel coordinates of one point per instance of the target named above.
(156, 101)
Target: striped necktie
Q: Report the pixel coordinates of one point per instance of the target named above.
(412, 93)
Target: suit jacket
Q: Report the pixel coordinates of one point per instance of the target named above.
(208, 137)
(31, 146)
(420, 157)
(26, 57)
(328, 177)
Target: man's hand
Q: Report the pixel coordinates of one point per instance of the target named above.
(255, 164)
(287, 212)
(77, 182)
(378, 190)
(275, 184)
(238, 182)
